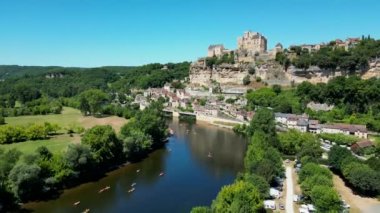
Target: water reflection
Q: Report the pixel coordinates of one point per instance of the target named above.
(191, 177)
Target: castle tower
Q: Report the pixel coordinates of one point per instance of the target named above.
(252, 42)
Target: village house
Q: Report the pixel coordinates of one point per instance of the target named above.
(361, 145)
(314, 126)
(347, 129)
(302, 125)
(292, 121)
(215, 50)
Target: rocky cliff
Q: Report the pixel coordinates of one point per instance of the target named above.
(270, 72)
(223, 74)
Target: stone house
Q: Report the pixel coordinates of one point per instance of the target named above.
(347, 129)
(215, 50)
(360, 145)
(292, 121)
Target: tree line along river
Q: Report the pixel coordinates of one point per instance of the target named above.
(189, 171)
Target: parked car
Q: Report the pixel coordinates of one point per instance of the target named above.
(281, 206)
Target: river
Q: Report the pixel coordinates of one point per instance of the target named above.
(191, 178)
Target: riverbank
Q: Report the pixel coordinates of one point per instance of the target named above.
(190, 177)
(216, 121)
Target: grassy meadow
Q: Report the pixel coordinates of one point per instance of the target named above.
(58, 143)
(67, 117)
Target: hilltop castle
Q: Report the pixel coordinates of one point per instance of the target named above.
(252, 42)
(249, 46)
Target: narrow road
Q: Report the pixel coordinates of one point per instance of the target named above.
(289, 190)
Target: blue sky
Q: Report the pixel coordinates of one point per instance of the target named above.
(132, 32)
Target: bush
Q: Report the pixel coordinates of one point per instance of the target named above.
(252, 70)
(325, 199)
(258, 79)
(312, 169)
(201, 209)
(246, 80)
(339, 139)
(2, 120)
(18, 133)
(238, 197)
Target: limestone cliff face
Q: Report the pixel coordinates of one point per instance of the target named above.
(270, 72)
(223, 74)
(374, 70)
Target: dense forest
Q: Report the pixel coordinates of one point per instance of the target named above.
(49, 88)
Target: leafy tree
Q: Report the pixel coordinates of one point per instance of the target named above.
(262, 97)
(262, 159)
(151, 121)
(294, 142)
(258, 181)
(136, 143)
(264, 121)
(79, 158)
(325, 199)
(362, 177)
(25, 181)
(92, 100)
(283, 59)
(104, 144)
(336, 156)
(316, 180)
(238, 197)
(312, 169)
(8, 160)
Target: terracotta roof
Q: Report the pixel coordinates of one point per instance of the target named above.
(364, 143)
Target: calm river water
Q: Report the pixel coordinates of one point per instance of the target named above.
(191, 178)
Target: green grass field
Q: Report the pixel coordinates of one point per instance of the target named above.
(67, 117)
(55, 145)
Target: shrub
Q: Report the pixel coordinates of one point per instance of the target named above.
(258, 79)
(246, 80)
